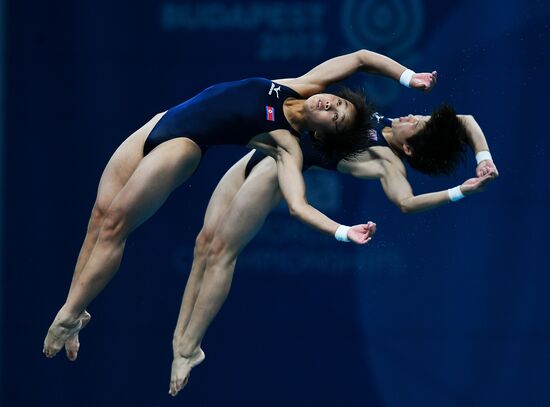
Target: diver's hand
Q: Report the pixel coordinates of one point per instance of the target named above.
(361, 234)
(424, 81)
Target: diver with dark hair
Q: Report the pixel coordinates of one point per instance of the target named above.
(433, 145)
(258, 113)
(439, 141)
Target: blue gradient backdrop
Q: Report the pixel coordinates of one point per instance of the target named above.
(444, 308)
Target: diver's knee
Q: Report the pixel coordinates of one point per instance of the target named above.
(203, 241)
(114, 225)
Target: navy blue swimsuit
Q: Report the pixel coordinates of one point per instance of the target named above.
(314, 158)
(226, 113)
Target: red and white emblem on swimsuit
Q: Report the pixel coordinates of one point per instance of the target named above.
(373, 135)
(270, 113)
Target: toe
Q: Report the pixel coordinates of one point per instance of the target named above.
(173, 388)
(71, 347)
(173, 384)
(49, 347)
(181, 384)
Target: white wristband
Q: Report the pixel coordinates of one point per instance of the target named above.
(406, 77)
(455, 194)
(483, 155)
(342, 233)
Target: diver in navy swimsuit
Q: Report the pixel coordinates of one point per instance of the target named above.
(226, 113)
(313, 157)
(225, 233)
(164, 153)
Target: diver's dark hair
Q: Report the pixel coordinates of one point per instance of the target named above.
(352, 140)
(441, 145)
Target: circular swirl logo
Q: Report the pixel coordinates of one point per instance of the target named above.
(391, 27)
(387, 26)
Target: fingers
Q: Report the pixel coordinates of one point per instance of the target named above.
(487, 168)
(372, 228)
(482, 181)
(369, 230)
(486, 171)
(488, 176)
(424, 81)
(493, 171)
(432, 80)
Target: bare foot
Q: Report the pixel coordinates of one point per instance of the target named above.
(73, 344)
(181, 368)
(63, 330)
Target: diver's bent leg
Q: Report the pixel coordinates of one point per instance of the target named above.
(118, 170)
(217, 207)
(116, 174)
(157, 175)
(241, 222)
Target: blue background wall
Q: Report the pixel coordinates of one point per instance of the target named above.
(444, 308)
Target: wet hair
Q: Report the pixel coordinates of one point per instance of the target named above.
(440, 146)
(352, 140)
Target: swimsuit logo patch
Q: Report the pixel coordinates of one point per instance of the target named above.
(270, 113)
(373, 135)
(273, 88)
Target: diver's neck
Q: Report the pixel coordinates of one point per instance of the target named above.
(293, 109)
(387, 133)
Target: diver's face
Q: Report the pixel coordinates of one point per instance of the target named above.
(328, 113)
(406, 127)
